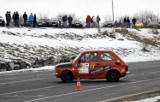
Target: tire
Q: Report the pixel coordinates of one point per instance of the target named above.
(67, 77)
(113, 76)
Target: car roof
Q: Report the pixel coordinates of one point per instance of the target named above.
(97, 51)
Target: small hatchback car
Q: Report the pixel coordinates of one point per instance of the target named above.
(94, 64)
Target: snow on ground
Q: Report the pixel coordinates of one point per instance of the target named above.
(39, 42)
(153, 99)
(46, 68)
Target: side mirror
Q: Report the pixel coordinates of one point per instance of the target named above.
(118, 62)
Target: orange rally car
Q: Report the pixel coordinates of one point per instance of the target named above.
(93, 64)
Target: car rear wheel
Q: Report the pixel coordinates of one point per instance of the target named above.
(113, 76)
(67, 77)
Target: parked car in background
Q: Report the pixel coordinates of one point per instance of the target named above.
(15, 64)
(139, 25)
(47, 23)
(2, 22)
(108, 24)
(77, 24)
(153, 24)
(3, 66)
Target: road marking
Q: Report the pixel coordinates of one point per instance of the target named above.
(143, 73)
(22, 81)
(60, 95)
(31, 90)
(28, 76)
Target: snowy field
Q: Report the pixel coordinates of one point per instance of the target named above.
(30, 43)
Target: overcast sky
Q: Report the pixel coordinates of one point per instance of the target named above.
(79, 7)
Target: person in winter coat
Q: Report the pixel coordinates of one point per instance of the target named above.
(8, 18)
(94, 22)
(134, 21)
(88, 21)
(17, 19)
(25, 17)
(70, 20)
(13, 17)
(34, 20)
(60, 21)
(98, 20)
(125, 22)
(64, 19)
(128, 22)
(31, 19)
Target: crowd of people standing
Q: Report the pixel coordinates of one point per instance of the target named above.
(63, 21)
(16, 19)
(92, 22)
(127, 22)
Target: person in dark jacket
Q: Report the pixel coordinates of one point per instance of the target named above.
(13, 17)
(34, 20)
(98, 20)
(64, 19)
(125, 22)
(17, 19)
(70, 20)
(25, 17)
(134, 21)
(8, 18)
(128, 22)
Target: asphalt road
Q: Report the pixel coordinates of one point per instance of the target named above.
(45, 87)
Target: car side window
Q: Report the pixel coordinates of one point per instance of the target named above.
(105, 56)
(89, 57)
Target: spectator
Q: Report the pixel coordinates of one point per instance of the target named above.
(94, 21)
(31, 19)
(98, 20)
(88, 21)
(13, 17)
(134, 21)
(60, 21)
(17, 19)
(128, 22)
(125, 22)
(70, 21)
(34, 20)
(8, 18)
(64, 19)
(25, 17)
(116, 23)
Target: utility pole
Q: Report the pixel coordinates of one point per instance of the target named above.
(112, 10)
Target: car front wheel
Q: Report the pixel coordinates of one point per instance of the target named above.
(67, 77)
(113, 76)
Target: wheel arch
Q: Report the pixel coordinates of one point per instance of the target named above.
(70, 71)
(113, 70)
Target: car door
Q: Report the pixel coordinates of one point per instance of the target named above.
(107, 62)
(88, 62)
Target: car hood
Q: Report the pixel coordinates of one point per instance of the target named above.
(64, 65)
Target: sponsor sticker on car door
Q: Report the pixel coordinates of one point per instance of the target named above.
(84, 68)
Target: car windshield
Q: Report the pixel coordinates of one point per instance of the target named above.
(46, 20)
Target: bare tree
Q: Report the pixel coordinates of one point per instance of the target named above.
(43, 16)
(145, 16)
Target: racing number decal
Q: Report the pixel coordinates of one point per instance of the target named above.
(92, 66)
